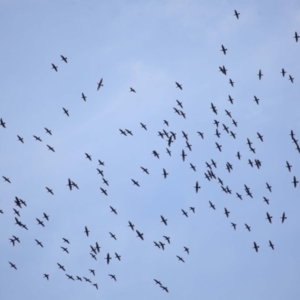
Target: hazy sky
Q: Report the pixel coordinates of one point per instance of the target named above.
(149, 45)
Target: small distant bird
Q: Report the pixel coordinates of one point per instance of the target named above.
(236, 14)
(64, 58)
(54, 67)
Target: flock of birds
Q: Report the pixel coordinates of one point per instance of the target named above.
(169, 137)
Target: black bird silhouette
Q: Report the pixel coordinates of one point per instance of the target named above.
(64, 58)
(54, 67)
(223, 49)
(100, 84)
(178, 85)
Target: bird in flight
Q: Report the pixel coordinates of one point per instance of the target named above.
(197, 186)
(212, 205)
(260, 74)
(113, 210)
(12, 265)
(223, 49)
(88, 156)
(2, 123)
(131, 225)
(113, 236)
(283, 217)
(140, 235)
(54, 67)
(103, 191)
(108, 258)
(50, 148)
(132, 90)
(46, 276)
(296, 37)
(20, 139)
(269, 217)
(143, 126)
(255, 246)
(86, 231)
(113, 276)
(288, 166)
(6, 179)
(61, 267)
(49, 191)
(283, 72)
(291, 79)
(83, 96)
(271, 245)
(48, 131)
(37, 138)
(40, 222)
(39, 243)
(226, 212)
(180, 258)
(178, 85)
(236, 14)
(64, 58)
(248, 227)
(165, 174)
(135, 182)
(295, 181)
(164, 220)
(100, 84)
(66, 111)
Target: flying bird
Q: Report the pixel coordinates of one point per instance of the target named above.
(86, 231)
(54, 67)
(66, 111)
(64, 58)
(178, 85)
(100, 84)
(223, 49)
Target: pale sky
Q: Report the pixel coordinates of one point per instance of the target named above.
(149, 45)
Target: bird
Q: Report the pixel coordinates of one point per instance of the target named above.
(66, 111)
(180, 258)
(223, 49)
(255, 246)
(83, 96)
(100, 84)
(143, 126)
(283, 217)
(54, 67)
(12, 265)
(46, 276)
(236, 14)
(6, 179)
(113, 277)
(178, 85)
(64, 58)
(20, 139)
(132, 90)
(296, 37)
(86, 231)
(37, 138)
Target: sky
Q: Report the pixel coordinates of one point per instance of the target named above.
(149, 45)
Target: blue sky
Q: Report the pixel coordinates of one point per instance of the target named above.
(149, 46)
